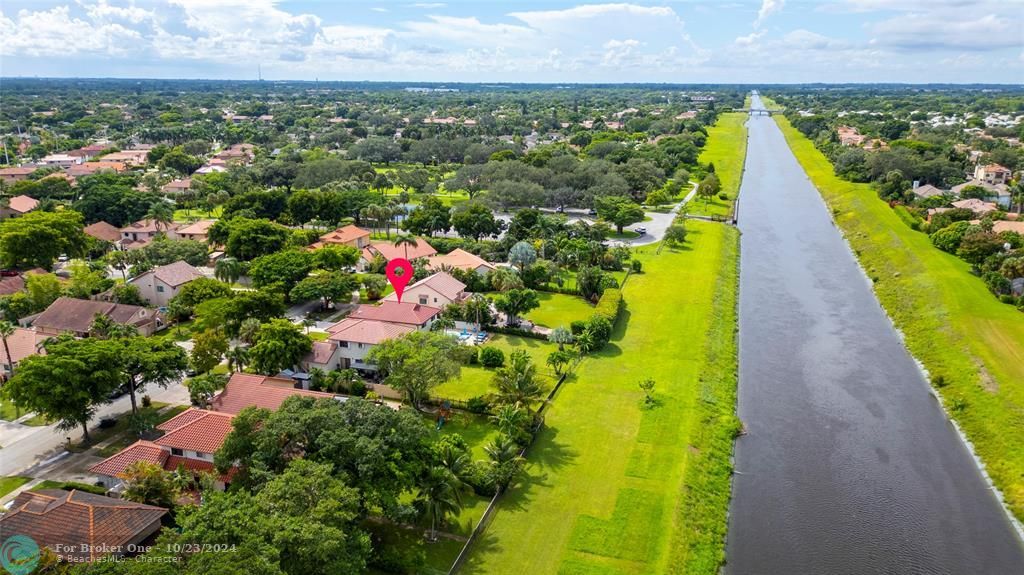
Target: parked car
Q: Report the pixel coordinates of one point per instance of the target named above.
(640, 231)
(591, 212)
(118, 391)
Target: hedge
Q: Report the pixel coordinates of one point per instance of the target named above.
(516, 331)
(610, 304)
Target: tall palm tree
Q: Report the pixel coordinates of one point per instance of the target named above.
(161, 213)
(517, 382)
(238, 357)
(7, 330)
(439, 497)
(228, 270)
(511, 420)
(406, 241)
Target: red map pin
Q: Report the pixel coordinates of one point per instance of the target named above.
(399, 281)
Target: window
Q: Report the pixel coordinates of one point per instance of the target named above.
(342, 344)
(423, 300)
(176, 451)
(159, 289)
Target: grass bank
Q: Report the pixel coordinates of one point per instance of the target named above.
(726, 148)
(970, 343)
(614, 486)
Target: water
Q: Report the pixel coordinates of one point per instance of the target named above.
(849, 465)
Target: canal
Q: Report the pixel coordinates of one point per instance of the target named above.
(849, 465)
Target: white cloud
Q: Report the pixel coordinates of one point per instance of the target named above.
(936, 30)
(55, 32)
(768, 7)
(750, 39)
(469, 31)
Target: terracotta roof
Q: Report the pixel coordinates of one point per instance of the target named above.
(249, 390)
(1002, 226)
(996, 168)
(176, 274)
(76, 315)
(115, 465)
(458, 259)
(197, 466)
(82, 523)
(390, 251)
(178, 185)
(444, 284)
(103, 231)
(367, 330)
(196, 430)
(395, 312)
(347, 235)
(148, 225)
(24, 171)
(927, 191)
(199, 228)
(321, 352)
(975, 205)
(23, 204)
(23, 343)
(11, 284)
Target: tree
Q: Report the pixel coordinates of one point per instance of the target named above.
(148, 483)
(202, 388)
(429, 217)
(43, 289)
(7, 330)
(647, 386)
(504, 279)
(162, 214)
(709, 187)
(416, 362)
(375, 285)
(209, 346)
(513, 421)
(470, 178)
(279, 345)
(657, 198)
(163, 251)
(281, 271)
(238, 358)
(250, 239)
(439, 497)
(475, 220)
(328, 287)
(558, 359)
(179, 161)
(506, 460)
(562, 336)
(336, 258)
(228, 269)
(516, 302)
(303, 205)
(199, 290)
(38, 238)
(68, 383)
(517, 382)
(521, 255)
(405, 241)
(676, 234)
(619, 211)
(144, 360)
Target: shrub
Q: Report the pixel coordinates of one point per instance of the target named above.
(147, 401)
(600, 329)
(912, 221)
(492, 357)
(357, 388)
(723, 196)
(610, 305)
(637, 266)
(577, 326)
(478, 404)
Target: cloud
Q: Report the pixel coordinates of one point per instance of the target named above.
(940, 31)
(427, 5)
(49, 33)
(750, 39)
(768, 7)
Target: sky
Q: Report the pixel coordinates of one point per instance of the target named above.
(755, 41)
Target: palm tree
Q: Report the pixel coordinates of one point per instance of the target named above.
(406, 240)
(517, 382)
(248, 329)
(1017, 193)
(511, 420)
(308, 323)
(228, 270)
(161, 213)
(238, 357)
(439, 497)
(505, 457)
(7, 330)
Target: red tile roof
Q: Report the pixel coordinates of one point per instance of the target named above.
(196, 430)
(441, 282)
(390, 251)
(176, 274)
(150, 226)
(458, 259)
(11, 284)
(248, 390)
(199, 228)
(81, 523)
(348, 235)
(141, 450)
(23, 343)
(23, 204)
(394, 312)
(103, 231)
(366, 330)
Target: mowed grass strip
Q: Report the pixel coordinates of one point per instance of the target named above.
(605, 489)
(726, 148)
(951, 322)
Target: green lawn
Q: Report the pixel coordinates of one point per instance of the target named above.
(613, 486)
(10, 412)
(569, 277)
(726, 148)
(476, 380)
(126, 438)
(120, 429)
(197, 214)
(559, 310)
(951, 322)
(12, 482)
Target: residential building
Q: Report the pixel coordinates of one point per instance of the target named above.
(177, 186)
(81, 527)
(992, 174)
(975, 205)
(18, 206)
(390, 251)
(159, 285)
(263, 391)
(89, 152)
(849, 136)
(999, 193)
(352, 339)
(189, 441)
(196, 230)
(131, 157)
(23, 343)
(11, 175)
(103, 231)
(928, 191)
(75, 316)
(459, 259)
(140, 233)
(404, 313)
(437, 290)
(62, 160)
(344, 236)
(90, 168)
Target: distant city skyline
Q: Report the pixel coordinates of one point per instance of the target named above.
(756, 41)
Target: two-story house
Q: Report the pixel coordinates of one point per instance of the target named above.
(141, 233)
(993, 174)
(159, 285)
(75, 316)
(437, 290)
(367, 326)
(344, 236)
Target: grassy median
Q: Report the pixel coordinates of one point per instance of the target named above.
(971, 344)
(726, 148)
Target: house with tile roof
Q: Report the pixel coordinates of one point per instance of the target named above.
(998, 193)
(103, 231)
(928, 191)
(139, 234)
(436, 290)
(344, 236)
(75, 316)
(263, 391)
(992, 174)
(459, 259)
(351, 340)
(975, 205)
(18, 206)
(177, 186)
(189, 441)
(81, 527)
(390, 251)
(17, 174)
(159, 285)
(22, 343)
(197, 230)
